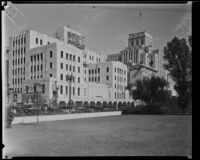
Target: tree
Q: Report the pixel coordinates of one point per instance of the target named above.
(152, 91)
(178, 56)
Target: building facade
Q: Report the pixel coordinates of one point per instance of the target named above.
(141, 58)
(39, 58)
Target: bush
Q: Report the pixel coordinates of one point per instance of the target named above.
(144, 109)
(9, 116)
(128, 110)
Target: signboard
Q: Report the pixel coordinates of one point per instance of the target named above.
(76, 40)
(136, 35)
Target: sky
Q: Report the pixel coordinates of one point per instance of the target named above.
(106, 27)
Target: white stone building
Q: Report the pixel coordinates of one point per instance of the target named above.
(39, 58)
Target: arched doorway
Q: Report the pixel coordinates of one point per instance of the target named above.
(62, 104)
(86, 104)
(105, 105)
(132, 104)
(92, 104)
(110, 105)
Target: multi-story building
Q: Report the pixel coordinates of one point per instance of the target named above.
(140, 57)
(39, 58)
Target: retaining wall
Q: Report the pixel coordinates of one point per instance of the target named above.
(33, 119)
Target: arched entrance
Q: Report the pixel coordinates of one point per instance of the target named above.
(110, 105)
(62, 104)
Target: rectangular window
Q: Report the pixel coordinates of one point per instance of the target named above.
(61, 65)
(50, 75)
(31, 58)
(51, 54)
(78, 69)
(66, 66)
(74, 58)
(61, 77)
(61, 89)
(66, 89)
(95, 79)
(98, 79)
(61, 54)
(41, 57)
(107, 77)
(89, 71)
(50, 65)
(70, 68)
(67, 56)
(36, 40)
(73, 68)
(70, 57)
(92, 79)
(40, 42)
(43, 88)
(78, 91)
(73, 90)
(89, 79)
(24, 50)
(79, 59)
(98, 70)
(41, 66)
(78, 79)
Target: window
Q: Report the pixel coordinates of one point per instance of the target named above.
(48, 42)
(79, 59)
(78, 91)
(41, 57)
(61, 65)
(31, 58)
(92, 71)
(78, 69)
(89, 79)
(70, 57)
(95, 71)
(98, 79)
(24, 50)
(95, 79)
(61, 54)
(61, 89)
(43, 88)
(92, 79)
(36, 40)
(38, 57)
(89, 71)
(107, 77)
(40, 42)
(73, 90)
(74, 58)
(50, 65)
(115, 77)
(66, 66)
(115, 95)
(66, 89)
(24, 39)
(70, 67)
(61, 77)
(66, 55)
(51, 54)
(73, 68)
(107, 69)
(78, 79)
(98, 70)
(50, 75)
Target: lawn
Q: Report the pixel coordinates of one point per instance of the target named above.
(126, 135)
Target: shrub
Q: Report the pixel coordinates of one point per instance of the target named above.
(128, 110)
(9, 116)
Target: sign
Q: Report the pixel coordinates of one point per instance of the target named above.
(76, 40)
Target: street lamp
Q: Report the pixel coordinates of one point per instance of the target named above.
(70, 78)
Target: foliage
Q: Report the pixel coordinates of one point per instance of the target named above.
(178, 55)
(151, 90)
(145, 109)
(9, 116)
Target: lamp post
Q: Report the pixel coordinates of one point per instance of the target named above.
(37, 92)
(70, 78)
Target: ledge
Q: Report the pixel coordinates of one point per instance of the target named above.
(33, 119)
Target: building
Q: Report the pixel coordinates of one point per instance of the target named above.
(141, 58)
(49, 61)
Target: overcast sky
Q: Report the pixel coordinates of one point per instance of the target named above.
(106, 27)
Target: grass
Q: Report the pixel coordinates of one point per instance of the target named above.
(126, 135)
